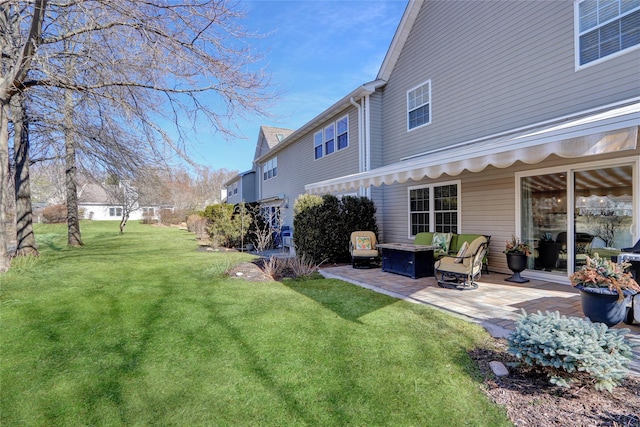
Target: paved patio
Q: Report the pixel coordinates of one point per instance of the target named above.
(495, 305)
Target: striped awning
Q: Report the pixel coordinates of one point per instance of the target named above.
(601, 132)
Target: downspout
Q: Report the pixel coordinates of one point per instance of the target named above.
(367, 148)
(361, 164)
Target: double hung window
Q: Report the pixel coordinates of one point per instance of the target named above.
(419, 106)
(606, 27)
(332, 138)
(270, 169)
(434, 208)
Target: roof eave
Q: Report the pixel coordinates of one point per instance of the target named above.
(345, 102)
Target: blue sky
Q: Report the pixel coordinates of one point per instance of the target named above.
(316, 53)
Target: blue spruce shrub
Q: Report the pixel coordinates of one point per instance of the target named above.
(565, 345)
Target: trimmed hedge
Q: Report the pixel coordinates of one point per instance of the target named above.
(323, 225)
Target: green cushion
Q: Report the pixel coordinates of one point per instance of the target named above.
(423, 239)
(458, 239)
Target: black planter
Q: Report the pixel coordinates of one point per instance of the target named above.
(548, 253)
(601, 305)
(517, 262)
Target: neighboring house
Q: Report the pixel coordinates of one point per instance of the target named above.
(107, 202)
(498, 118)
(245, 187)
(241, 188)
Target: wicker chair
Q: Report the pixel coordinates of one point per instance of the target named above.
(364, 250)
(461, 271)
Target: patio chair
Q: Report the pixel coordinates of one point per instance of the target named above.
(363, 247)
(460, 271)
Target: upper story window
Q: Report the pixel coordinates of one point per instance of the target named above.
(419, 106)
(606, 27)
(270, 169)
(329, 139)
(317, 144)
(343, 132)
(333, 137)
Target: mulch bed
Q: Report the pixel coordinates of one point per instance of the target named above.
(530, 400)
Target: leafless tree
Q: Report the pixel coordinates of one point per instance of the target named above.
(149, 63)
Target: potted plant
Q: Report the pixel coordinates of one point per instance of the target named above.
(605, 289)
(548, 252)
(517, 253)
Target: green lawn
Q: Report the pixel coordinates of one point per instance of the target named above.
(141, 329)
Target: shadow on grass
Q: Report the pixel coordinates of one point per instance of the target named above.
(347, 301)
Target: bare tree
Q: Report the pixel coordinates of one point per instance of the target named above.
(25, 239)
(133, 58)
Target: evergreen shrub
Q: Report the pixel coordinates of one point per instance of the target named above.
(223, 230)
(323, 225)
(563, 346)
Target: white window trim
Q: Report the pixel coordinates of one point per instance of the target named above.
(569, 170)
(432, 214)
(316, 145)
(345, 132)
(270, 165)
(576, 43)
(323, 137)
(409, 129)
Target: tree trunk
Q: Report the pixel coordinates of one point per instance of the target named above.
(123, 222)
(26, 241)
(73, 222)
(5, 259)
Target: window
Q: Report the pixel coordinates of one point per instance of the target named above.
(606, 27)
(329, 141)
(270, 169)
(343, 132)
(333, 137)
(115, 211)
(419, 106)
(317, 143)
(434, 208)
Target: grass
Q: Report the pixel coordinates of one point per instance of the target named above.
(142, 329)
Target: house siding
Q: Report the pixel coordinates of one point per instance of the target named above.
(520, 72)
(297, 165)
(496, 218)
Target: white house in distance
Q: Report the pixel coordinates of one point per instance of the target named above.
(495, 118)
(102, 202)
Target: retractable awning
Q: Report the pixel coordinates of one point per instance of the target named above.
(609, 131)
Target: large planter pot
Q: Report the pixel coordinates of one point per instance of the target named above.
(517, 262)
(602, 305)
(548, 253)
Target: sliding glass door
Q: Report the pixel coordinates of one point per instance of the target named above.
(544, 220)
(567, 215)
(603, 214)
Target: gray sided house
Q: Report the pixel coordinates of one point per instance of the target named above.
(245, 187)
(507, 118)
(495, 118)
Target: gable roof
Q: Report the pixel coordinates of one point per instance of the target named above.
(269, 137)
(399, 39)
(94, 194)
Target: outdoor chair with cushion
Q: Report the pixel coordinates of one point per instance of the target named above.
(363, 247)
(460, 271)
